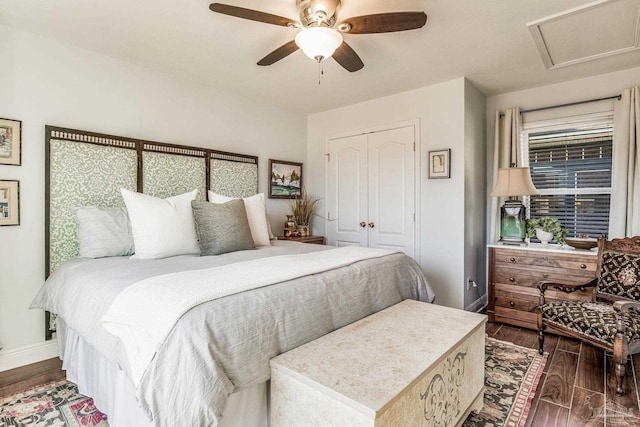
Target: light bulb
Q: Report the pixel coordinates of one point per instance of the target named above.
(319, 42)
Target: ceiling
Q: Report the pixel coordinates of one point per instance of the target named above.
(486, 41)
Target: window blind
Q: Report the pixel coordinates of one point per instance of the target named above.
(572, 170)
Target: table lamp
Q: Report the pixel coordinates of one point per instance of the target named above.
(513, 182)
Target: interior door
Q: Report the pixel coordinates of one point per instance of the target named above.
(391, 189)
(347, 191)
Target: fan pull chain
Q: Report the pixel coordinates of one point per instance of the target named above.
(320, 61)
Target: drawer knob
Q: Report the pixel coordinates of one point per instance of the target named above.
(583, 266)
(545, 276)
(512, 304)
(512, 259)
(512, 279)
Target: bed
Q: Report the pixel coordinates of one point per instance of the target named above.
(212, 365)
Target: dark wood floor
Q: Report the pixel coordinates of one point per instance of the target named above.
(576, 388)
(20, 379)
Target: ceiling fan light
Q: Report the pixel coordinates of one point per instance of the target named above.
(319, 42)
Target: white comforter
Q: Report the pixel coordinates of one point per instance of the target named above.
(143, 314)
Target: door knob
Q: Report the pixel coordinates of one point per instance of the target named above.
(371, 224)
(363, 224)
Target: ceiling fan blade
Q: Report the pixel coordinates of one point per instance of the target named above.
(386, 22)
(281, 52)
(254, 15)
(348, 58)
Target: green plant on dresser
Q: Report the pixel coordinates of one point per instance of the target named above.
(548, 224)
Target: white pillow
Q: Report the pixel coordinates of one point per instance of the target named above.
(256, 214)
(103, 232)
(162, 228)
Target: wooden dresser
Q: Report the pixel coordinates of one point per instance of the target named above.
(514, 272)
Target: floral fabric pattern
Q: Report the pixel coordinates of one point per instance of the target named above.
(167, 175)
(596, 320)
(234, 179)
(57, 404)
(619, 275)
(84, 175)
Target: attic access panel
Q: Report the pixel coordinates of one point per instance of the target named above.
(586, 33)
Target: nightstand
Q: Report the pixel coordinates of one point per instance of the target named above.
(514, 272)
(318, 240)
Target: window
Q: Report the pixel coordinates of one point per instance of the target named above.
(571, 167)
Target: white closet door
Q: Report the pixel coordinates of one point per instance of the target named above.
(347, 191)
(391, 181)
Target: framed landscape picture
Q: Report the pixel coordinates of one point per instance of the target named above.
(10, 139)
(286, 179)
(9, 203)
(440, 164)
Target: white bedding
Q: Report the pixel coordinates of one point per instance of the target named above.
(225, 345)
(143, 314)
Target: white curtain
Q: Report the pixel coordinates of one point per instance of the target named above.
(506, 151)
(625, 184)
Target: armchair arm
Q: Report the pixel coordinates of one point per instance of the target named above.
(568, 288)
(625, 306)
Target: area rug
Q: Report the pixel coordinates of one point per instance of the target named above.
(512, 374)
(55, 404)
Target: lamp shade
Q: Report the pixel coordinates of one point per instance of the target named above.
(319, 42)
(514, 182)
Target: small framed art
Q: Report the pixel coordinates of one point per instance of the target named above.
(10, 139)
(9, 203)
(286, 179)
(440, 164)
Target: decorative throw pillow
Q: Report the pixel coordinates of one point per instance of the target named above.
(222, 227)
(161, 227)
(256, 214)
(103, 232)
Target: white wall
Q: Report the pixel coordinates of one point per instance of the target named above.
(441, 111)
(45, 82)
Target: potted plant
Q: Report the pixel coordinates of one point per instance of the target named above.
(545, 229)
(304, 207)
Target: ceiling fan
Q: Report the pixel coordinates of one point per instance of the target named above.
(320, 37)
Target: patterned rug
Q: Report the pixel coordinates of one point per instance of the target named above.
(511, 377)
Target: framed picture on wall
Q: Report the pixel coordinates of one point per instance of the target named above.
(10, 139)
(285, 181)
(9, 203)
(440, 164)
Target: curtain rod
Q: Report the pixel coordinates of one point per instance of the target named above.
(618, 97)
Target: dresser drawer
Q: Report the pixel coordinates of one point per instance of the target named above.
(571, 263)
(509, 275)
(510, 298)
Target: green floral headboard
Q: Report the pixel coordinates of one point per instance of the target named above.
(89, 169)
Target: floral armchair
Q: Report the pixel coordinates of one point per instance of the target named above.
(612, 320)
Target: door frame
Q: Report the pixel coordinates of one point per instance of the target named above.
(417, 160)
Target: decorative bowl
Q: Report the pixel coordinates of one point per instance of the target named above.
(581, 242)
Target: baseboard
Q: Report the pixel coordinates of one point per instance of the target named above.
(15, 358)
(478, 305)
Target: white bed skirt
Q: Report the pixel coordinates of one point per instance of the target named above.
(114, 394)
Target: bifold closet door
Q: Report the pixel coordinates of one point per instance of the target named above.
(371, 190)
